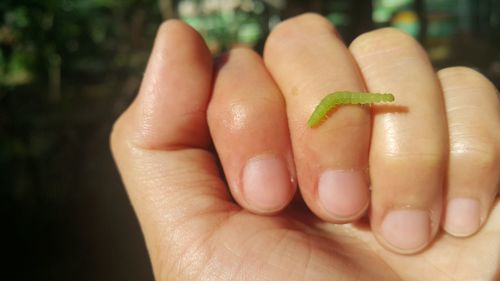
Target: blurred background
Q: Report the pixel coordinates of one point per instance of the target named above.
(69, 67)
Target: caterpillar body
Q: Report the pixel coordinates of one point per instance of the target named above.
(344, 97)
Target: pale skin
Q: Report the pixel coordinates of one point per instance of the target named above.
(364, 196)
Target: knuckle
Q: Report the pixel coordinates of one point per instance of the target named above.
(309, 21)
(177, 30)
(296, 28)
(174, 24)
(120, 133)
(431, 161)
(463, 75)
(234, 115)
(164, 26)
(383, 39)
(222, 113)
(458, 70)
(115, 134)
(482, 156)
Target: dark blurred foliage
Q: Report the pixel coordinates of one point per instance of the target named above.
(67, 70)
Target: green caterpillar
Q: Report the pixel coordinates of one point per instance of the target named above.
(345, 97)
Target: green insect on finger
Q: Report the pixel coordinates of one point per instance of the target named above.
(344, 97)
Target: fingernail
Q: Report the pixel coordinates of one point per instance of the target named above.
(406, 229)
(267, 184)
(462, 217)
(343, 193)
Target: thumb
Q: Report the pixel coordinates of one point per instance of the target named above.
(160, 147)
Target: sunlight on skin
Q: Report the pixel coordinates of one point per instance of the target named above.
(293, 247)
(194, 230)
(472, 258)
(221, 241)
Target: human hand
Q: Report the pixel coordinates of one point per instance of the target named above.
(256, 111)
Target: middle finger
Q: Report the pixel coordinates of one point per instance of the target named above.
(308, 60)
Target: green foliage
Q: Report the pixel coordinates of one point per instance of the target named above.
(225, 24)
(64, 65)
(34, 35)
(61, 63)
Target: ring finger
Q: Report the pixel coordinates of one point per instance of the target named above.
(409, 142)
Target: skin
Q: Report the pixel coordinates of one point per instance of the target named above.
(199, 225)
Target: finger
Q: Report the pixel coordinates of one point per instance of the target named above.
(308, 60)
(248, 124)
(473, 114)
(408, 149)
(157, 144)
